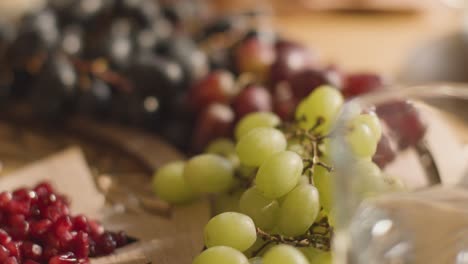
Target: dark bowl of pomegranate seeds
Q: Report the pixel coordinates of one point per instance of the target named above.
(36, 226)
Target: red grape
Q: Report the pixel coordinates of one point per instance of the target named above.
(253, 98)
(291, 57)
(361, 83)
(404, 120)
(216, 87)
(255, 55)
(284, 102)
(304, 82)
(215, 121)
(386, 152)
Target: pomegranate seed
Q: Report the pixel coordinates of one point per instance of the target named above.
(30, 262)
(14, 248)
(67, 258)
(80, 223)
(5, 198)
(39, 228)
(81, 245)
(19, 227)
(4, 253)
(43, 188)
(96, 228)
(11, 260)
(4, 237)
(50, 252)
(62, 228)
(18, 207)
(30, 250)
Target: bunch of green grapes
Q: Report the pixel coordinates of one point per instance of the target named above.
(273, 187)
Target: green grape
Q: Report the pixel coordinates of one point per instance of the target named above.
(209, 173)
(324, 102)
(221, 254)
(169, 183)
(361, 138)
(299, 210)
(368, 178)
(259, 144)
(373, 122)
(324, 257)
(221, 146)
(227, 202)
(284, 254)
(255, 120)
(393, 184)
(263, 211)
(230, 229)
(304, 180)
(246, 171)
(296, 147)
(323, 180)
(256, 260)
(279, 174)
(310, 253)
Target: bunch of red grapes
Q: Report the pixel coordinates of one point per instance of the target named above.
(36, 227)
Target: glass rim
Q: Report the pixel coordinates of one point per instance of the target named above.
(424, 91)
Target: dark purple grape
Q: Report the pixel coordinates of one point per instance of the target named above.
(72, 40)
(6, 85)
(184, 50)
(143, 12)
(154, 75)
(37, 34)
(95, 99)
(55, 88)
(253, 98)
(255, 55)
(83, 11)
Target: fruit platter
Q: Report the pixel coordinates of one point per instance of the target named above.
(144, 131)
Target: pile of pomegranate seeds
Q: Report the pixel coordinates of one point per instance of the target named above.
(36, 228)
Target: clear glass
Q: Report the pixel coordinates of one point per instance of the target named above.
(428, 221)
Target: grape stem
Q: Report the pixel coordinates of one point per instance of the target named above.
(319, 240)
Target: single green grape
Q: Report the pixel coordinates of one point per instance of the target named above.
(373, 122)
(304, 180)
(361, 138)
(169, 183)
(284, 254)
(221, 146)
(279, 174)
(264, 211)
(227, 202)
(324, 102)
(256, 260)
(299, 210)
(230, 229)
(368, 178)
(221, 254)
(296, 147)
(324, 257)
(209, 173)
(310, 253)
(323, 180)
(393, 184)
(255, 120)
(259, 144)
